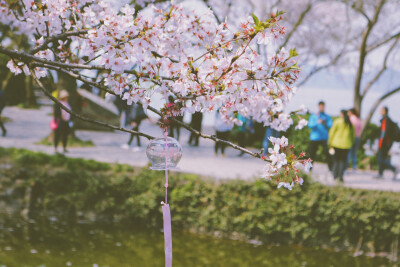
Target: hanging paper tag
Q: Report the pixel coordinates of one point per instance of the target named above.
(167, 235)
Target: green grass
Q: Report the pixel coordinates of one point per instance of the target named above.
(73, 141)
(5, 119)
(28, 106)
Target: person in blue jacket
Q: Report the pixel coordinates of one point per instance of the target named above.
(320, 123)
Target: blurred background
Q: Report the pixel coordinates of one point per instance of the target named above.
(68, 210)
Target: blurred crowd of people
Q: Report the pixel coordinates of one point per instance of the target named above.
(340, 140)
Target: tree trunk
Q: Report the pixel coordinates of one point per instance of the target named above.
(360, 70)
(363, 54)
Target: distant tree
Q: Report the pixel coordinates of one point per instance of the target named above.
(377, 46)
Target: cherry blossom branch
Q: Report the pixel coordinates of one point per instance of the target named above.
(27, 58)
(106, 89)
(74, 114)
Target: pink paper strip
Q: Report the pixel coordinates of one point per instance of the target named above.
(167, 235)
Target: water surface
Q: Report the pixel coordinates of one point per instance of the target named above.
(97, 245)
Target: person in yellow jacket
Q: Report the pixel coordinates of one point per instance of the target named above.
(341, 139)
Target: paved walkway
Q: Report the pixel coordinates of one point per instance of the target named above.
(30, 126)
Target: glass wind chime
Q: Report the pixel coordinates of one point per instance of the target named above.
(164, 154)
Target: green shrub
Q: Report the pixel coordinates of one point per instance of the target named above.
(312, 214)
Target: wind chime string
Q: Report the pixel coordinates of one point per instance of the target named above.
(166, 168)
(167, 213)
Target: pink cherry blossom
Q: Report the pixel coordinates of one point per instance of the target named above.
(302, 123)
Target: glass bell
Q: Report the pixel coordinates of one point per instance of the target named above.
(158, 148)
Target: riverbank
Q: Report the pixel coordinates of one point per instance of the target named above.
(313, 215)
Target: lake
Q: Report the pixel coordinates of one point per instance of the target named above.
(51, 243)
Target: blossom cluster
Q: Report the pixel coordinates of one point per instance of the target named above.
(169, 51)
(283, 160)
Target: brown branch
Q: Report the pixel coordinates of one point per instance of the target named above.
(211, 8)
(363, 14)
(55, 100)
(276, 4)
(75, 76)
(318, 69)
(382, 70)
(363, 54)
(298, 23)
(377, 45)
(55, 38)
(27, 58)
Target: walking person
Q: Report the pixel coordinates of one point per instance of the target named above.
(222, 130)
(197, 119)
(386, 140)
(2, 105)
(341, 139)
(356, 121)
(320, 123)
(63, 121)
(135, 116)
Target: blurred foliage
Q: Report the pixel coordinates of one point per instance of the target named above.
(370, 134)
(312, 214)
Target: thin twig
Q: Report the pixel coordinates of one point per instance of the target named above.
(27, 58)
(56, 38)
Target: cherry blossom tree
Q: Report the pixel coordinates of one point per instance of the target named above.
(165, 49)
(355, 36)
